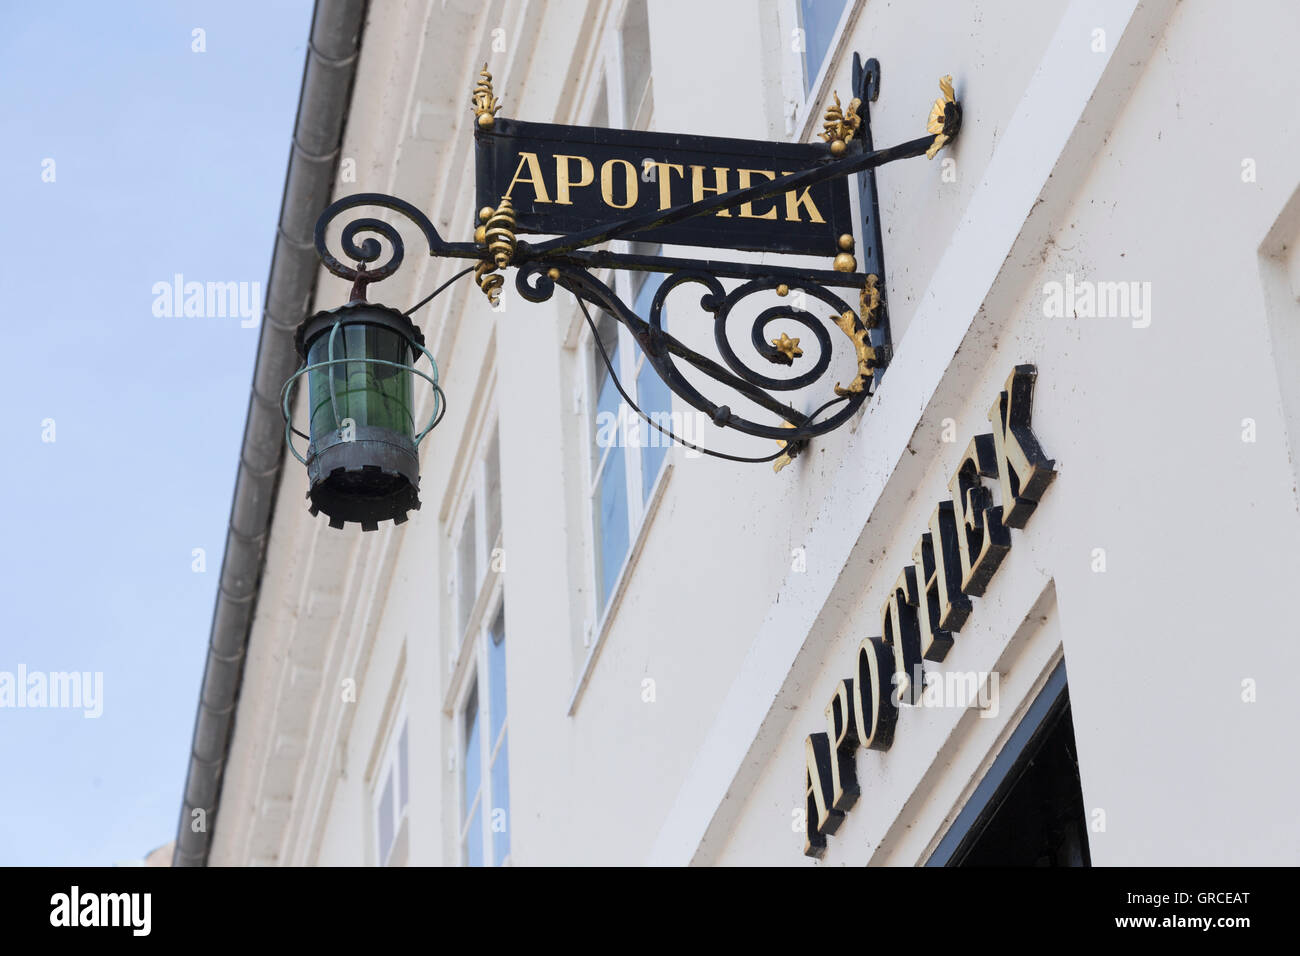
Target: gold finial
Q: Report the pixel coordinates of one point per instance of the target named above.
(841, 125)
(782, 290)
(482, 102)
(497, 234)
(500, 233)
(861, 338)
(788, 347)
(489, 280)
(943, 118)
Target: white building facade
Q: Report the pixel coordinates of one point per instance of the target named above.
(594, 651)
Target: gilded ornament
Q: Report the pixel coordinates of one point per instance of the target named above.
(787, 346)
(785, 459)
(861, 338)
(499, 238)
(484, 105)
(869, 302)
(945, 118)
(841, 125)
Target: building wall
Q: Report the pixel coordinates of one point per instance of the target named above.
(1112, 157)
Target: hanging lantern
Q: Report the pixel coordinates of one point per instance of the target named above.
(362, 460)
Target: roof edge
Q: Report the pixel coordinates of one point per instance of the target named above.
(333, 48)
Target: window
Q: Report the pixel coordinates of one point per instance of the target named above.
(600, 112)
(622, 96)
(651, 394)
(819, 20)
(626, 455)
(1028, 810)
(609, 497)
(477, 551)
(391, 799)
(484, 750)
(634, 47)
(467, 574)
(478, 704)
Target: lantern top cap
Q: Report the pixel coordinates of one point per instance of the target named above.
(356, 312)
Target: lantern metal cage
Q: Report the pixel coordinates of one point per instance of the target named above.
(362, 455)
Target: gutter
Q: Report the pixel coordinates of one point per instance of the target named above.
(335, 41)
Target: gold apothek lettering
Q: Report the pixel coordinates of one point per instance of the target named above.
(619, 185)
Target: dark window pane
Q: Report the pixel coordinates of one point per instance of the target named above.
(1039, 819)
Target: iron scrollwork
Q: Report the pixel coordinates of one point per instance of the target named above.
(570, 263)
(536, 282)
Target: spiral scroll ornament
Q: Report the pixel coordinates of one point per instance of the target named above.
(497, 236)
(536, 282)
(368, 252)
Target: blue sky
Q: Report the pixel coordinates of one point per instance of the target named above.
(166, 161)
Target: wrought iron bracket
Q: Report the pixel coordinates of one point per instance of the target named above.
(569, 261)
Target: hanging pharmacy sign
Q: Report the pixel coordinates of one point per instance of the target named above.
(563, 179)
(560, 205)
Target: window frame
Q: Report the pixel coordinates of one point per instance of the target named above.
(609, 76)
(390, 765)
(488, 750)
(473, 497)
(641, 500)
(640, 116)
(804, 106)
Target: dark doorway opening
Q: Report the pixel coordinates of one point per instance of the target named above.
(1028, 810)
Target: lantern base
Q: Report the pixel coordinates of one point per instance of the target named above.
(373, 477)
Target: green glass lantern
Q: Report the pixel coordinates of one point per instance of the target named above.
(362, 461)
